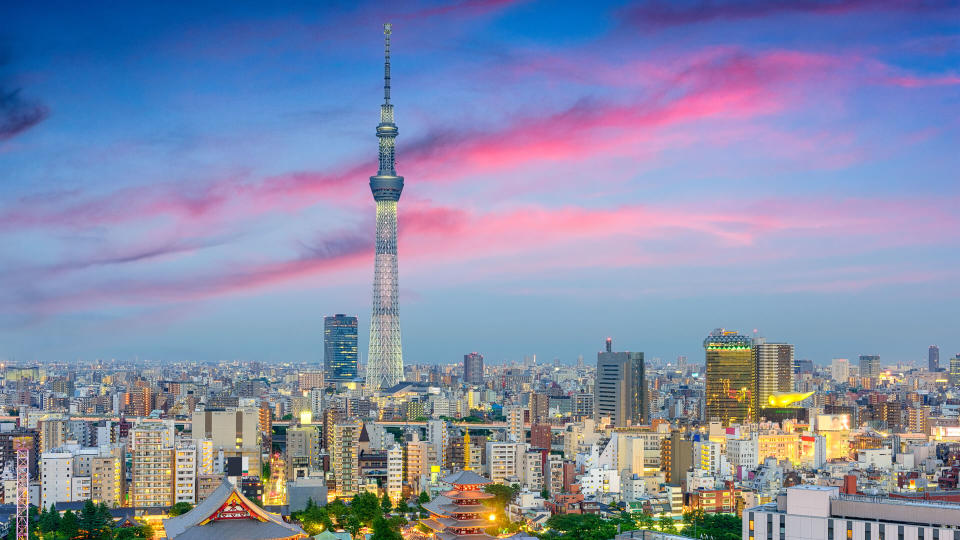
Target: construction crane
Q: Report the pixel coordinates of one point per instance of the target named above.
(22, 446)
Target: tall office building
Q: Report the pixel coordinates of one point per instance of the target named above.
(621, 387)
(869, 365)
(473, 368)
(933, 358)
(340, 347)
(840, 369)
(730, 384)
(955, 370)
(773, 365)
(385, 357)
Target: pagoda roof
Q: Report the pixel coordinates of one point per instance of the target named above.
(466, 478)
(456, 494)
(437, 505)
(452, 536)
(433, 524)
(227, 515)
(461, 523)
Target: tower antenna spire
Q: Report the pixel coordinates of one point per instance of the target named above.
(387, 29)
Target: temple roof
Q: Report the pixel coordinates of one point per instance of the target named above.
(227, 515)
(461, 478)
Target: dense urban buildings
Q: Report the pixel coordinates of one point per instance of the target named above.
(340, 347)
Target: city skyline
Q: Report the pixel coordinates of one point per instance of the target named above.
(191, 184)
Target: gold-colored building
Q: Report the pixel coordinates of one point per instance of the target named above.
(731, 377)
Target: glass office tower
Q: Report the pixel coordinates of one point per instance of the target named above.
(730, 372)
(340, 347)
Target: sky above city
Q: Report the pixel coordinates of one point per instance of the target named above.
(189, 181)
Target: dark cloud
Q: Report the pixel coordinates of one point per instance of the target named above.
(17, 113)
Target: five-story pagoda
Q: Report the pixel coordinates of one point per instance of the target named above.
(459, 514)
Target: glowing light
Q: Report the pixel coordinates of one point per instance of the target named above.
(493, 517)
(784, 399)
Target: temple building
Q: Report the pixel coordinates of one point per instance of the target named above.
(227, 515)
(459, 514)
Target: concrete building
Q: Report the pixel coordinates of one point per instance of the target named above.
(869, 366)
(822, 513)
(152, 450)
(395, 473)
(344, 458)
(515, 431)
(56, 475)
(773, 371)
(503, 460)
(185, 472)
(933, 358)
(840, 369)
(473, 368)
(621, 387)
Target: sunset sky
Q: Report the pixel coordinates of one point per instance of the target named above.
(190, 182)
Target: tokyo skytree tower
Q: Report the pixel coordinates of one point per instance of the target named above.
(385, 357)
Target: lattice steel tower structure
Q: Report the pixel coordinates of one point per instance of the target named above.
(385, 357)
(22, 446)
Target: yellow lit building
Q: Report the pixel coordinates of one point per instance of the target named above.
(152, 465)
(730, 377)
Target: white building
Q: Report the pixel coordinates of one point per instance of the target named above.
(599, 481)
(514, 415)
(185, 473)
(531, 470)
(56, 475)
(503, 460)
(395, 472)
(822, 513)
(840, 369)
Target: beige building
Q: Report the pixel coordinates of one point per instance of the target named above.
(108, 479)
(344, 462)
(152, 449)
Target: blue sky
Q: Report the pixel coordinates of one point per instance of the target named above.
(190, 181)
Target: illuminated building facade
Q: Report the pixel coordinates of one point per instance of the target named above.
(955, 370)
(773, 365)
(730, 374)
(460, 512)
(344, 458)
(933, 358)
(151, 445)
(340, 347)
(385, 356)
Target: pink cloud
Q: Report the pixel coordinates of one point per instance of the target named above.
(531, 240)
(913, 81)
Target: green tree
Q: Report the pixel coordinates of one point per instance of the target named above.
(403, 507)
(366, 507)
(265, 471)
(385, 530)
(339, 512)
(645, 520)
(424, 497)
(665, 524)
(386, 504)
(180, 508)
(49, 520)
(69, 525)
(353, 525)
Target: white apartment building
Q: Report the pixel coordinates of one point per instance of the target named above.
(56, 475)
(395, 473)
(503, 460)
(185, 473)
(531, 470)
(514, 415)
(822, 513)
(599, 481)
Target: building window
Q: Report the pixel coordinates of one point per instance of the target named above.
(849, 530)
(829, 529)
(866, 532)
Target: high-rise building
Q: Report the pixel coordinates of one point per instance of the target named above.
(933, 358)
(773, 365)
(473, 368)
(730, 373)
(955, 370)
(344, 458)
(515, 431)
(539, 406)
(185, 472)
(869, 366)
(385, 356)
(621, 387)
(395, 473)
(540, 436)
(151, 445)
(340, 347)
(840, 369)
